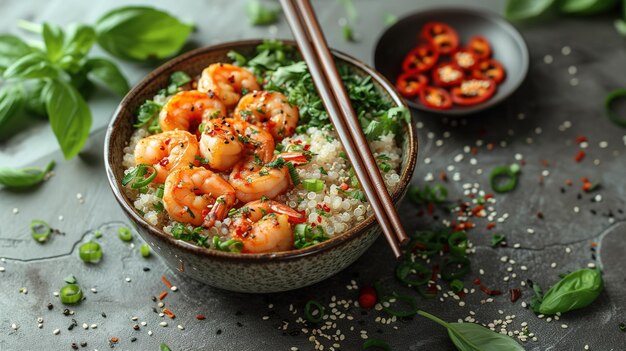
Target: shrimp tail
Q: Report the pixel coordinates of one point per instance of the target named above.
(294, 216)
(297, 158)
(219, 211)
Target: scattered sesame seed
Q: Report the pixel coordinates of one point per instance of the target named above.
(61, 218)
(573, 82)
(174, 288)
(548, 59)
(14, 326)
(128, 279)
(94, 326)
(2, 269)
(85, 326)
(566, 50)
(572, 70)
(564, 326)
(553, 265)
(163, 324)
(93, 290)
(181, 327)
(56, 331)
(16, 210)
(150, 332)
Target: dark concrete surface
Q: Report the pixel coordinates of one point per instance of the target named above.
(540, 122)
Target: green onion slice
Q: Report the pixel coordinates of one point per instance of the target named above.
(309, 311)
(455, 267)
(144, 249)
(90, 252)
(71, 294)
(409, 300)
(315, 185)
(376, 343)
(232, 245)
(608, 104)
(457, 242)
(295, 178)
(140, 177)
(504, 172)
(406, 268)
(40, 230)
(456, 285)
(125, 234)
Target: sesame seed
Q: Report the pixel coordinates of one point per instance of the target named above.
(94, 326)
(61, 218)
(150, 332)
(573, 82)
(548, 59)
(128, 279)
(572, 70)
(564, 326)
(2, 269)
(174, 288)
(566, 50)
(553, 265)
(85, 326)
(16, 210)
(56, 331)
(14, 326)
(180, 327)
(93, 290)
(163, 324)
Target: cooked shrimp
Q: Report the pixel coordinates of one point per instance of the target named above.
(220, 146)
(224, 141)
(188, 109)
(270, 111)
(167, 151)
(197, 196)
(252, 180)
(228, 82)
(264, 226)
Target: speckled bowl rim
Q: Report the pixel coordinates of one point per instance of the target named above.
(360, 229)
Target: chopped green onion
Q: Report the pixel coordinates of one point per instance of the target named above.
(97, 234)
(144, 249)
(455, 267)
(90, 252)
(159, 191)
(409, 300)
(608, 104)
(71, 294)
(369, 343)
(305, 235)
(457, 242)
(310, 310)
(385, 167)
(295, 178)
(137, 177)
(456, 285)
(70, 279)
(406, 268)
(40, 230)
(497, 239)
(158, 206)
(125, 234)
(232, 245)
(315, 185)
(507, 172)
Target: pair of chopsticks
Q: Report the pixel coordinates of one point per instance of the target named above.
(316, 54)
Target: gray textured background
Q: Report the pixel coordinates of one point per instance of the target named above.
(548, 101)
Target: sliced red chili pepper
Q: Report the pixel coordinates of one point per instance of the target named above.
(490, 69)
(420, 59)
(473, 92)
(480, 47)
(435, 98)
(448, 74)
(410, 83)
(442, 37)
(367, 297)
(465, 59)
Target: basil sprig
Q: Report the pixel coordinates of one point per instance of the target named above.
(24, 177)
(474, 337)
(576, 290)
(55, 77)
(528, 9)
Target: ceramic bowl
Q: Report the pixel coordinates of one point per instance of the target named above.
(253, 273)
(508, 47)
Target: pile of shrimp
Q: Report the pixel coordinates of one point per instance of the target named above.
(215, 155)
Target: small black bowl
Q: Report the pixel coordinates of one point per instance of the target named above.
(508, 47)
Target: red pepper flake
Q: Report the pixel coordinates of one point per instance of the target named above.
(515, 294)
(477, 211)
(200, 317)
(164, 162)
(491, 225)
(522, 163)
(476, 281)
(169, 285)
(474, 151)
(488, 196)
(491, 146)
(114, 339)
(580, 156)
(581, 139)
(568, 182)
(443, 176)
(162, 296)
(587, 186)
(545, 163)
(367, 297)
(490, 292)
(344, 186)
(169, 313)
(430, 208)
(594, 244)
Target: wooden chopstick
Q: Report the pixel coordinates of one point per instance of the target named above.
(325, 89)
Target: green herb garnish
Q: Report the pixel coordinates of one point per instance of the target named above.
(24, 177)
(576, 290)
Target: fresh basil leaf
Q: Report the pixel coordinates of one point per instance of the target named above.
(34, 101)
(576, 290)
(11, 101)
(108, 74)
(525, 9)
(53, 37)
(33, 65)
(141, 33)
(475, 337)
(260, 14)
(586, 7)
(164, 347)
(78, 42)
(70, 117)
(12, 48)
(620, 26)
(24, 177)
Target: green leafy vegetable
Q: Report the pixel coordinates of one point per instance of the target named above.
(12, 48)
(24, 177)
(70, 117)
(615, 95)
(436, 194)
(260, 14)
(576, 290)
(70, 279)
(497, 239)
(525, 9)
(181, 232)
(585, 7)
(108, 74)
(32, 66)
(141, 33)
(53, 37)
(305, 235)
(474, 337)
(376, 343)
